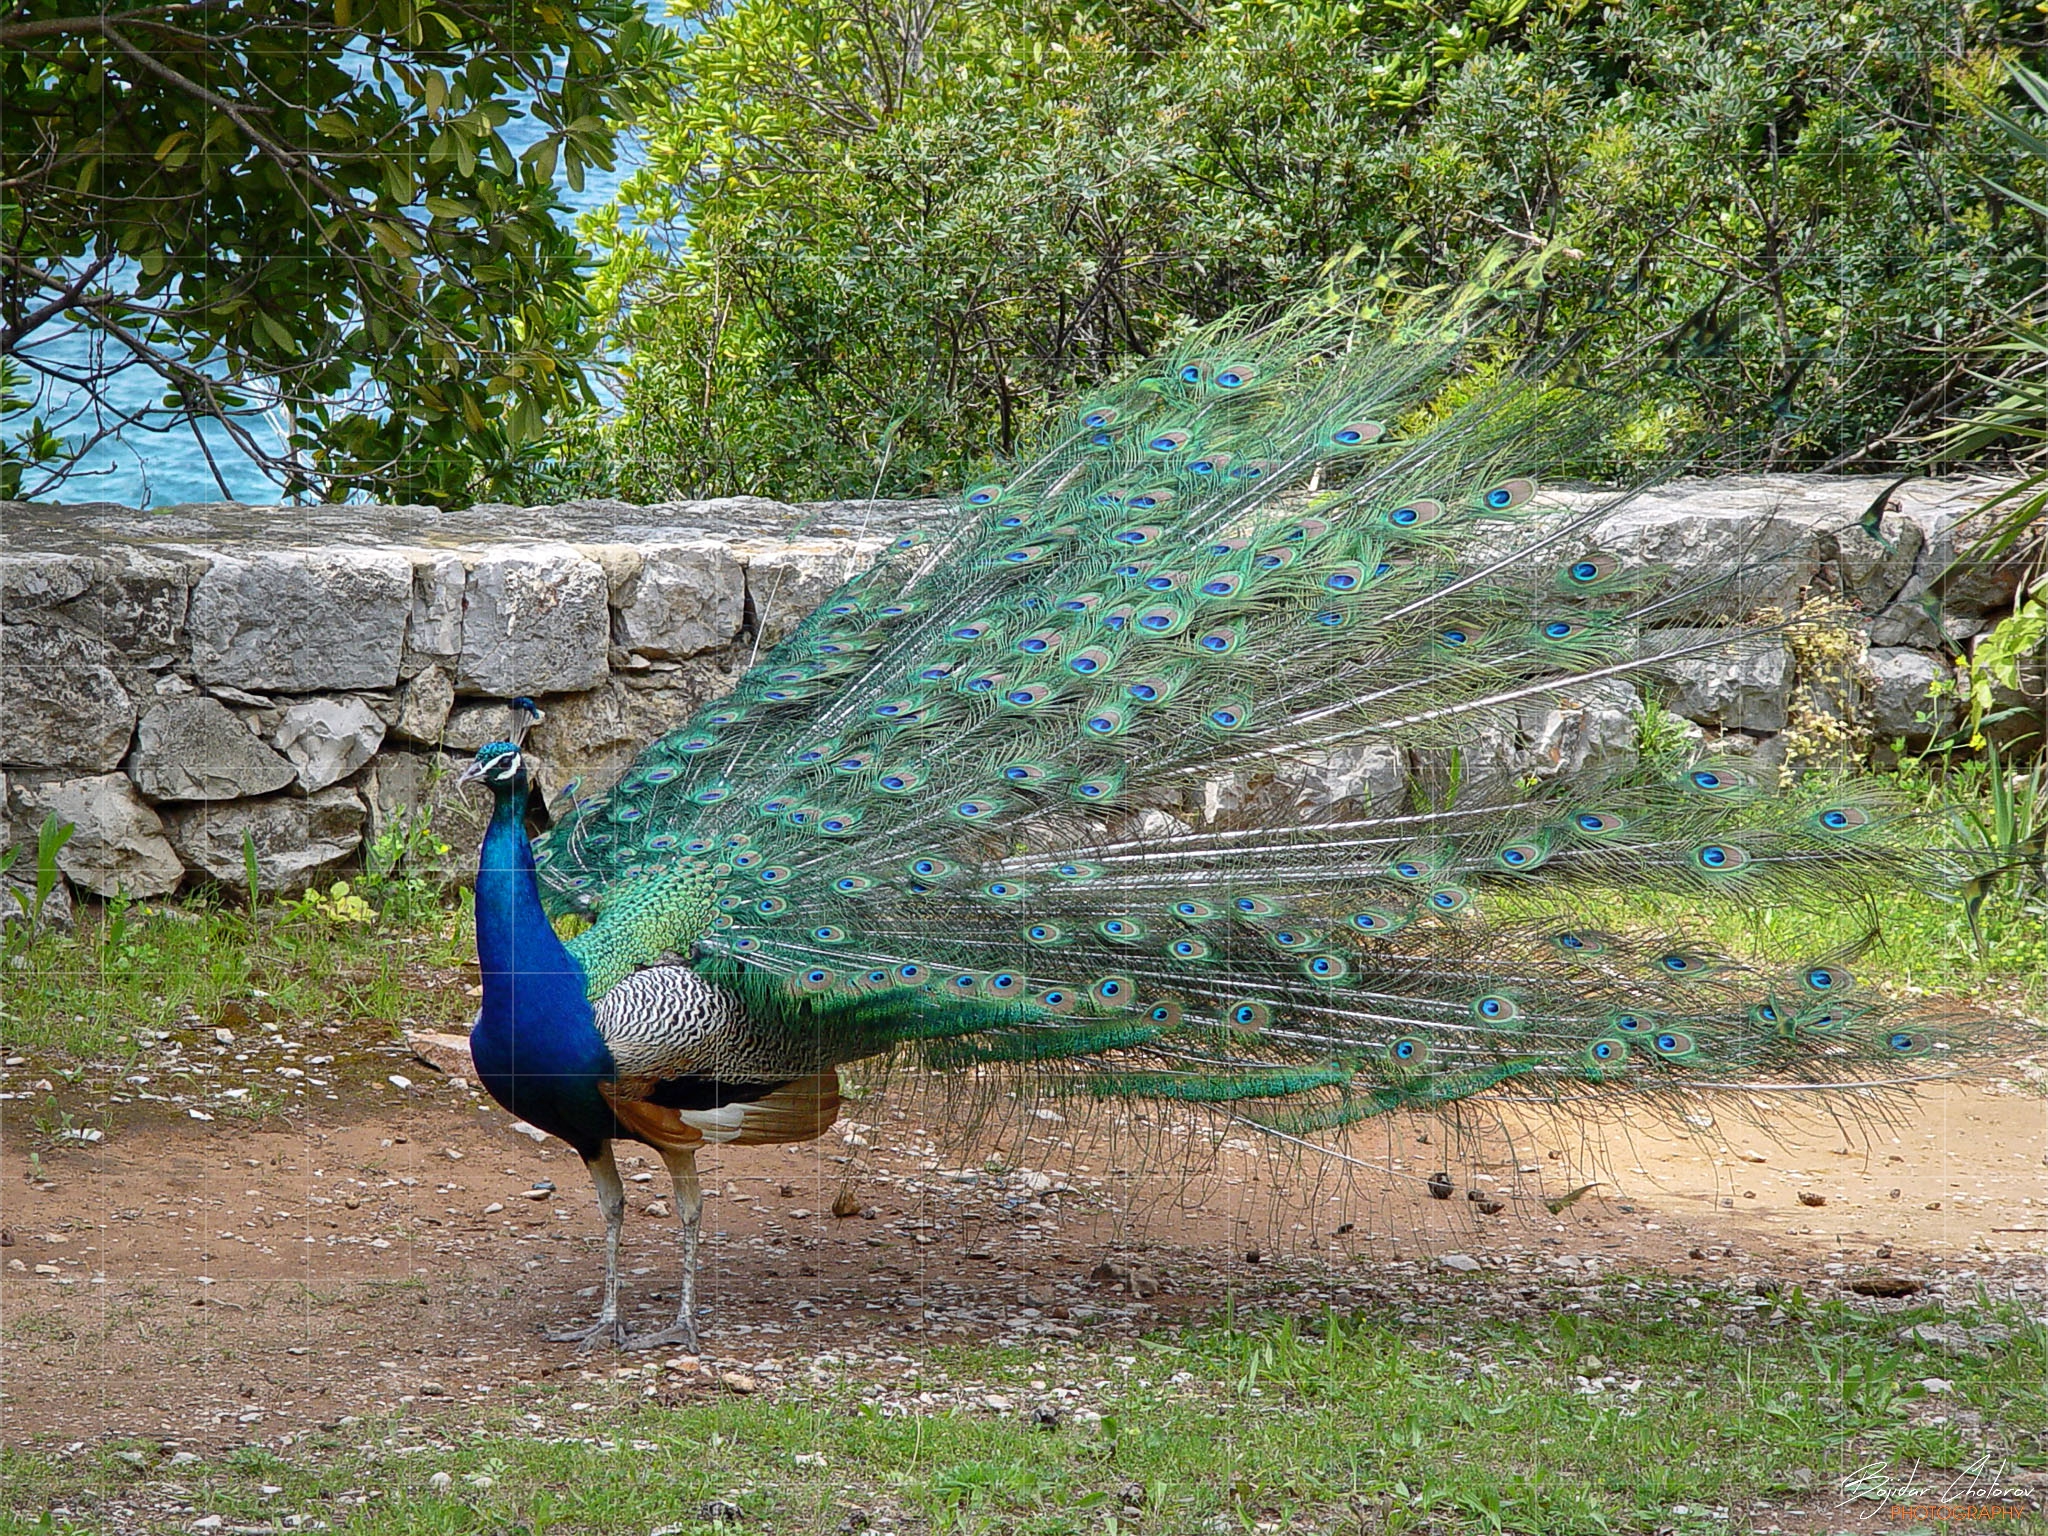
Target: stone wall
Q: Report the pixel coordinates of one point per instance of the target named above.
(311, 676)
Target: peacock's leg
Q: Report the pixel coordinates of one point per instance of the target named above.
(682, 1167)
(611, 1199)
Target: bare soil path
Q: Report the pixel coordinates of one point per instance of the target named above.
(217, 1282)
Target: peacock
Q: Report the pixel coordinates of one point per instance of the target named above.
(959, 812)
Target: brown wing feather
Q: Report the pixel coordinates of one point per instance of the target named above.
(802, 1110)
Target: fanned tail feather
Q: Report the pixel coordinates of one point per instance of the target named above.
(939, 815)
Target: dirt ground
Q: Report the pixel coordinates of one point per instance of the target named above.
(222, 1282)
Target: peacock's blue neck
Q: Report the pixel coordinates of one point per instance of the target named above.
(536, 1043)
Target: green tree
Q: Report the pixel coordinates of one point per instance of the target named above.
(875, 238)
(307, 212)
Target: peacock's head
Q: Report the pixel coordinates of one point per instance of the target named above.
(498, 766)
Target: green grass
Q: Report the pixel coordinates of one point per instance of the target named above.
(1463, 1422)
(83, 995)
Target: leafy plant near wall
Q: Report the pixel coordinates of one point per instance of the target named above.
(877, 238)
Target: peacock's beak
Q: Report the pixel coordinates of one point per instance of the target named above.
(472, 771)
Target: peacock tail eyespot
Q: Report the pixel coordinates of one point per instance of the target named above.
(1607, 1053)
(828, 934)
(1902, 1042)
(1221, 642)
(1521, 856)
(1222, 586)
(1003, 984)
(1167, 1015)
(1090, 661)
(1597, 823)
(1254, 906)
(1099, 416)
(1508, 495)
(1188, 949)
(1720, 858)
(1843, 818)
(771, 906)
(1494, 1009)
(1122, 929)
(983, 495)
(1345, 578)
(1169, 442)
(1627, 1023)
(1671, 1042)
(1591, 570)
(1326, 967)
(1827, 979)
(849, 884)
(1249, 1015)
(1194, 911)
(1408, 1052)
(965, 983)
(1058, 1000)
(1043, 933)
(1681, 963)
(1114, 991)
(1096, 789)
(1376, 923)
(1409, 871)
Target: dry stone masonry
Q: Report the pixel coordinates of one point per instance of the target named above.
(307, 678)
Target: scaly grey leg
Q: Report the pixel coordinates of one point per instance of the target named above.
(611, 1199)
(682, 1167)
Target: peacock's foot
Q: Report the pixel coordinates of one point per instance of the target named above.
(605, 1333)
(682, 1333)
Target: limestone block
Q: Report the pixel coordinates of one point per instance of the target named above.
(1721, 537)
(786, 580)
(1740, 684)
(438, 580)
(297, 841)
(61, 706)
(416, 792)
(535, 620)
(585, 738)
(30, 580)
(18, 901)
(302, 620)
(684, 600)
(655, 702)
(1897, 696)
(192, 747)
(117, 842)
(471, 725)
(1482, 767)
(1368, 774)
(1591, 730)
(423, 707)
(328, 739)
(137, 602)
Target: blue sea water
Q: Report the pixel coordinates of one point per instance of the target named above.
(150, 468)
